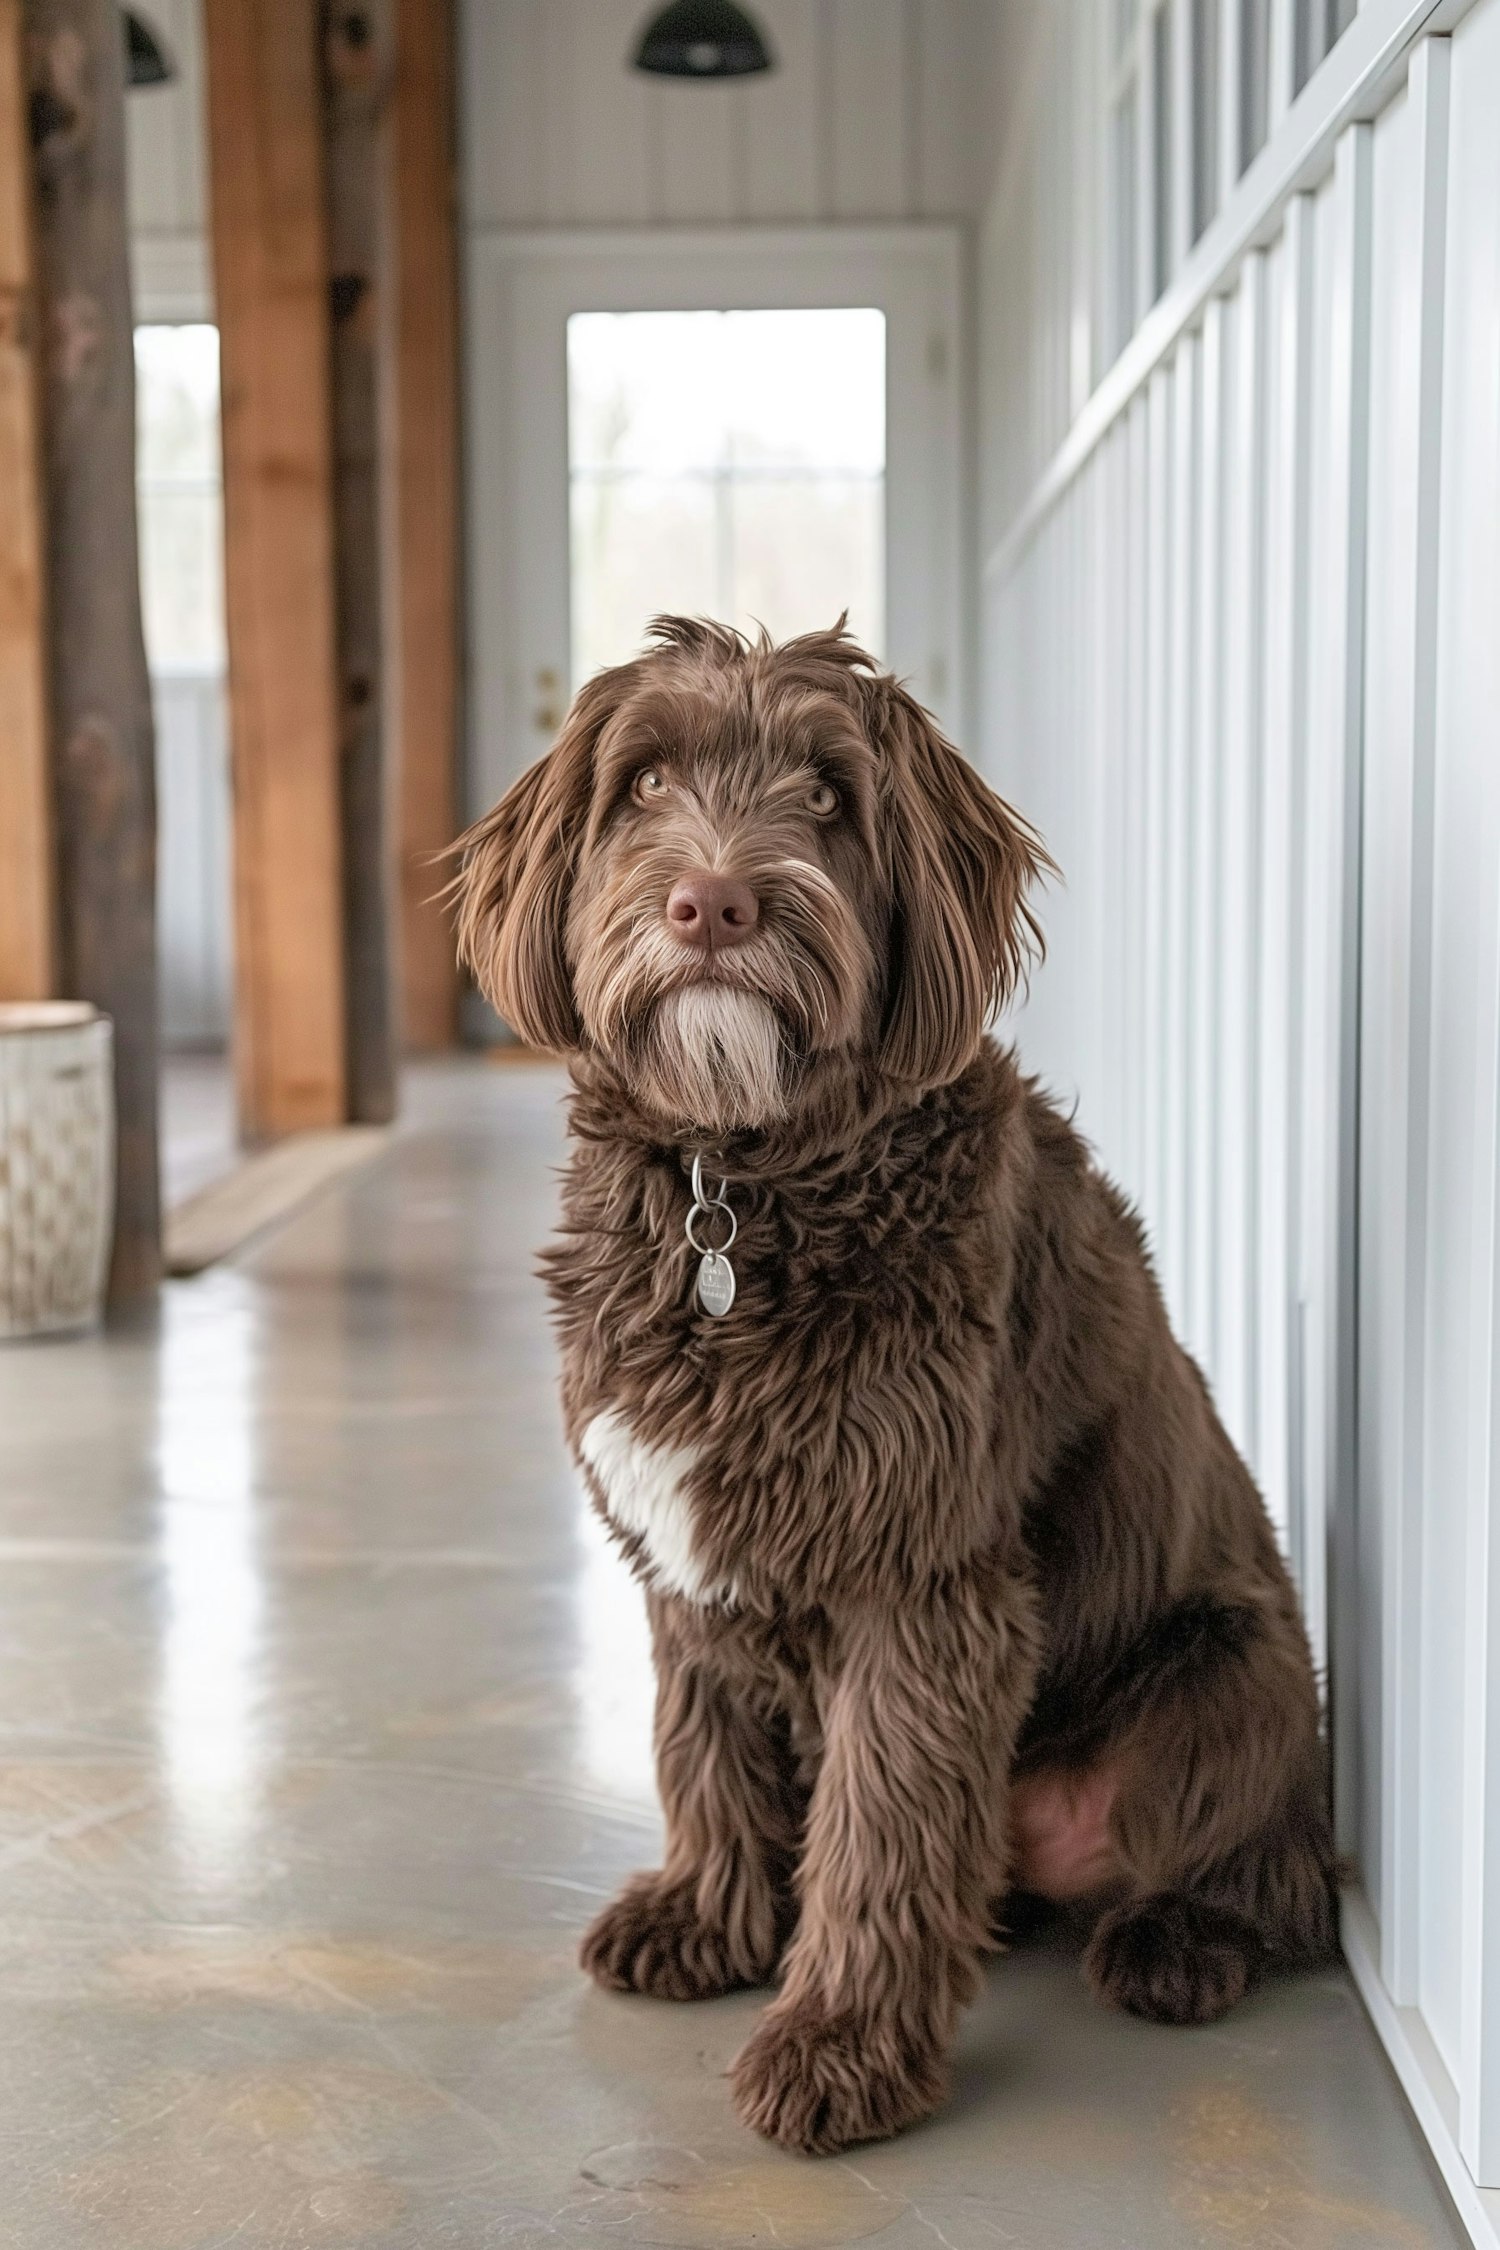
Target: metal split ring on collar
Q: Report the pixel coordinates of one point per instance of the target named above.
(715, 1285)
(700, 1195)
(702, 1211)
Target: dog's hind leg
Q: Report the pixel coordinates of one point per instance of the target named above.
(718, 1913)
(1221, 1821)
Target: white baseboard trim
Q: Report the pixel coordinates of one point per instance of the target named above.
(1419, 2067)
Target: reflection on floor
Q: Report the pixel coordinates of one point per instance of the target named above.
(199, 1134)
(325, 1724)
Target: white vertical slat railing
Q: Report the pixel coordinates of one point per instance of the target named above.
(1239, 814)
(1283, 766)
(1155, 1089)
(1249, 608)
(1332, 987)
(1138, 528)
(1203, 876)
(1176, 830)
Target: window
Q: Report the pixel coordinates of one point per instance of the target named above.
(1161, 149)
(1255, 78)
(1124, 165)
(1140, 173)
(1125, 258)
(180, 497)
(1319, 25)
(729, 464)
(1188, 108)
(1205, 113)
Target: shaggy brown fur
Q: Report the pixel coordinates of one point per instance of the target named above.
(956, 1584)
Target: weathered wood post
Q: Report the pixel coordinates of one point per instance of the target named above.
(270, 238)
(420, 440)
(356, 77)
(28, 949)
(100, 693)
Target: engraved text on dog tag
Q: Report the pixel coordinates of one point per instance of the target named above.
(715, 1283)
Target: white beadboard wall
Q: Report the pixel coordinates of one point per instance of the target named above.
(168, 194)
(1040, 224)
(872, 113)
(1239, 608)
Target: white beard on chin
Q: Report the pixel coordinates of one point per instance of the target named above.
(717, 1057)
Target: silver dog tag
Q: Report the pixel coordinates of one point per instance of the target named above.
(715, 1283)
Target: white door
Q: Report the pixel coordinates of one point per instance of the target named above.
(760, 426)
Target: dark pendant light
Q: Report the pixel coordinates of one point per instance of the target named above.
(702, 39)
(146, 62)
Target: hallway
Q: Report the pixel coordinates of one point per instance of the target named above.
(325, 1731)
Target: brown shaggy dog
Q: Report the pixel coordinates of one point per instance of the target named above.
(957, 1586)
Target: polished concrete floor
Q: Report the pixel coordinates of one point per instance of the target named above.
(324, 1730)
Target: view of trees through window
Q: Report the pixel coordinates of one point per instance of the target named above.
(728, 464)
(179, 494)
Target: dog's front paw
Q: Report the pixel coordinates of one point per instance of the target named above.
(1174, 1960)
(653, 1939)
(820, 2084)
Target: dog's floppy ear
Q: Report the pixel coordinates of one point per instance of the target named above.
(962, 863)
(517, 870)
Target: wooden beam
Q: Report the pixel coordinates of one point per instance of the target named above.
(422, 481)
(356, 50)
(266, 172)
(100, 694)
(28, 954)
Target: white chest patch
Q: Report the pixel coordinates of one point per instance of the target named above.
(642, 1488)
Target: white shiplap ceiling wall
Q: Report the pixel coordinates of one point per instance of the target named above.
(872, 113)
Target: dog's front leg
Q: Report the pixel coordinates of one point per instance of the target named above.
(905, 1849)
(718, 1913)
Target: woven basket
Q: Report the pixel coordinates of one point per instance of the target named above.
(57, 1165)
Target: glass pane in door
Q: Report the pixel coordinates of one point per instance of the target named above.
(180, 496)
(805, 548)
(725, 464)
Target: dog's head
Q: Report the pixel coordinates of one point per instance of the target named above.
(740, 861)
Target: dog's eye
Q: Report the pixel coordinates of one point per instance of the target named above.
(648, 787)
(822, 799)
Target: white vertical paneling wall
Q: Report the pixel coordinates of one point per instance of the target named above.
(872, 112)
(165, 162)
(1241, 614)
(1463, 1268)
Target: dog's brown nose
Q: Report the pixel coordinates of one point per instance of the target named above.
(713, 911)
